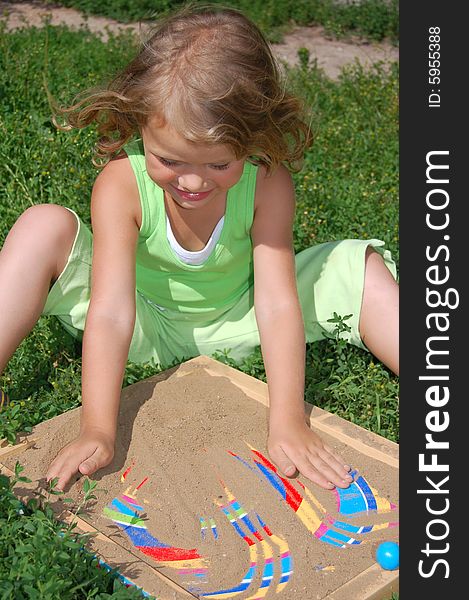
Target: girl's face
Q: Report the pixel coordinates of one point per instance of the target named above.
(194, 175)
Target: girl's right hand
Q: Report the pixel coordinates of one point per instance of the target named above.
(90, 451)
(294, 447)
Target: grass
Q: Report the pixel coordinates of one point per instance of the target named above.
(347, 188)
(370, 19)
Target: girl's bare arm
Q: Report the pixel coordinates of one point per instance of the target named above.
(109, 323)
(292, 444)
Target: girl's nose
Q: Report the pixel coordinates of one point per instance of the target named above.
(191, 182)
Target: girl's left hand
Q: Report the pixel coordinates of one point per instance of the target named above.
(293, 447)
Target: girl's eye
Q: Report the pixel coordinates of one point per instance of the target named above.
(167, 163)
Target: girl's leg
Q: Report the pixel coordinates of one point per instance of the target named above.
(34, 254)
(379, 317)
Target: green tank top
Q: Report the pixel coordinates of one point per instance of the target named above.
(198, 291)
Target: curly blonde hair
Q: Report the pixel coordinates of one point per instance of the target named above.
(210, 74)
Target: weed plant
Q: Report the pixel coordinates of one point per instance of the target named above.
(44, 559)
(347, 188)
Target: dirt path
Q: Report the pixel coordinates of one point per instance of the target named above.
(331, 54)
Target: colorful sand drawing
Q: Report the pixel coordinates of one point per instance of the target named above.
(127, 471)
(360, 497)
(320, 524)
(303, 509)
(211, 525)
(238, 517)
(125, 513)
(195, 574)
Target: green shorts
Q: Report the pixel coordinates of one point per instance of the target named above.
(330, 279)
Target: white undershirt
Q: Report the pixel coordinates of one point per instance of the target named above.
(200, 256)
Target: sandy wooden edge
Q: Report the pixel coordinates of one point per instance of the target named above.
(372, 584)
(8, 449)
(361, 439)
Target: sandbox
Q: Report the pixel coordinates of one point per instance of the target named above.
(191, 506)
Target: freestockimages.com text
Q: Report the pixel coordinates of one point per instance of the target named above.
(440, 300)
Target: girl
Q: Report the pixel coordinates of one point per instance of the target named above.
(191, 250)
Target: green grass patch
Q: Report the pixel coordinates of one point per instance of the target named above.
(371, 19)
(347, 188)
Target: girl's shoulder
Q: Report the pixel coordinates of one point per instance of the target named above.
(274, 210)
(116, 187)
(274, 187)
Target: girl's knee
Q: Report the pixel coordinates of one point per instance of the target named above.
(376, 269)
(372, 256)
(48, 232)
(52, 221)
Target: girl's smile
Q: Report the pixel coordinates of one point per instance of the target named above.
(191, 196)
(193, 175)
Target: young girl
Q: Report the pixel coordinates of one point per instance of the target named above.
(191, 250)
